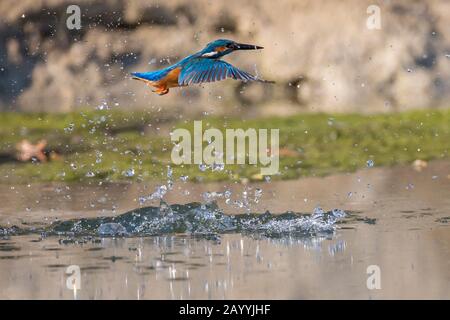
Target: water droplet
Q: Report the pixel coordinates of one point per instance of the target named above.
(258, 195)
(318, 211)
(158, 194)
(103, 106)
(169, 178)
(90, 174)
(129, 173)
(370, 163)
(218, 167)
(142, 200)
(98, 156)
(69, 128)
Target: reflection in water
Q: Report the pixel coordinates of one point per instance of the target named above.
(404, 231)
(175, 267)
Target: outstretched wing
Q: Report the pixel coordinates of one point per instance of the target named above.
(210, 70)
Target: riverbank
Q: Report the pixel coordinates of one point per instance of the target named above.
(113, 146)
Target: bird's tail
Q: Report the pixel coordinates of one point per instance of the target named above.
(138, 76)
(150, 77)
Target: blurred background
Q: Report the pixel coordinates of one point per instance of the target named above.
(357, 83)
(321, 53)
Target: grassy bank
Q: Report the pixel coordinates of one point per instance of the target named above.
(116, 146)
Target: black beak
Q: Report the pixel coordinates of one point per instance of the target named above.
(243, 46)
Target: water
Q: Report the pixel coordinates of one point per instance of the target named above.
(206, 248)
(192, 219)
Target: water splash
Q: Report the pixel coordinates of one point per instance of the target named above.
(159, 193)
(194, 219)
(161, 190)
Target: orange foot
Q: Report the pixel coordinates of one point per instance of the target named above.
(161, 91)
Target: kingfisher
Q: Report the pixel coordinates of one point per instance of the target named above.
(201, 67)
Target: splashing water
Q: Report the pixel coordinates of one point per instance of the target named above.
(159, 193)
(246, 200)
(129, 173)
(194, 219)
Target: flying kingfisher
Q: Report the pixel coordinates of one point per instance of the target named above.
(200, 67)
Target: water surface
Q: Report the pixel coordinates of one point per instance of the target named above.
(397, 219)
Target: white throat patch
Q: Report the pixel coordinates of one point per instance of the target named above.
(210, 54)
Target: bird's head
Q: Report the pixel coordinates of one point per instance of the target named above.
(221, 47)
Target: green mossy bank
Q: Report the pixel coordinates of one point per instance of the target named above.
(113, 146)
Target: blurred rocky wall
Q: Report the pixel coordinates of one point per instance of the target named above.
(320, 52)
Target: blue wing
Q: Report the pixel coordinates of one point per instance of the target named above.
(210, 70)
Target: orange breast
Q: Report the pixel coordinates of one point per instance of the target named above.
(171, 79)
